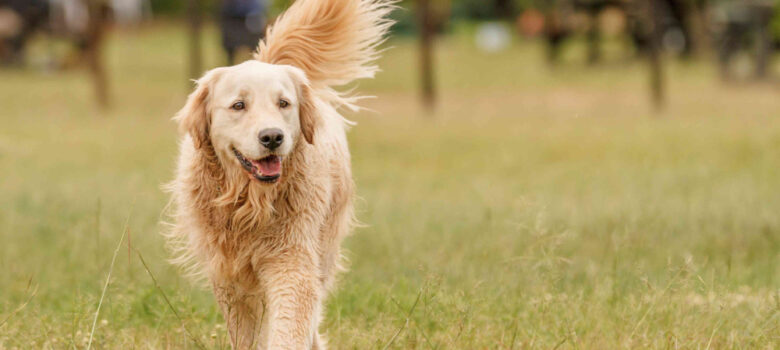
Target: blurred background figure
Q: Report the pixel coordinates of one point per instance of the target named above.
(675, 18)
(18, 21)
(131, 12)
(744, 26)
(74, 21)
(242, 23)
(741, 36)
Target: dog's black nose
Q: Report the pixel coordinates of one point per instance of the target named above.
(271, 138)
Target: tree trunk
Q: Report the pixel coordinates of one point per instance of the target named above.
(594, 39)
(763, 39)
(657, 92)
(427, 28)
(93, 51)
(505, 9)
(697, 22)
(195, 42)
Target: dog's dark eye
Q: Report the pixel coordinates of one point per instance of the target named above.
(283, 103)
(238, 106)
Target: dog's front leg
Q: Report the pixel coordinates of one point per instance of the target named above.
(292, 301)
(241, 312)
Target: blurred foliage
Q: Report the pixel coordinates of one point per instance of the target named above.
(776, 23)
(406, 17)
(179, 7)
(473, 9)
(487, 9)
(453, 10)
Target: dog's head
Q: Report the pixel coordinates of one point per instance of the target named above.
(253, 114)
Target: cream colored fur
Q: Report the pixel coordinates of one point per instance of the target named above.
(271, 250)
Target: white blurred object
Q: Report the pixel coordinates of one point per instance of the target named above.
(493, 37)
(129, 12)
(73, 15)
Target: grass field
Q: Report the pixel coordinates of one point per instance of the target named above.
(535, 209)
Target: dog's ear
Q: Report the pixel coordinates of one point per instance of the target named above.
(194, 117)
(308, 114)
(307, 110)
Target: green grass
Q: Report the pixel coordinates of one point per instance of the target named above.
(536, 208)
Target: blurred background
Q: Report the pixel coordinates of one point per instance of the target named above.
(741, 36)
(532, 174)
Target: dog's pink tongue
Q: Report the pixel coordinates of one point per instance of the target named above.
(270, 166)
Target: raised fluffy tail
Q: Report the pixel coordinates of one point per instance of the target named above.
(333, 41)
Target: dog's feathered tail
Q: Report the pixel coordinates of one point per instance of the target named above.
(333, 41)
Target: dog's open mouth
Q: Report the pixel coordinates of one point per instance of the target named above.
(268, 169)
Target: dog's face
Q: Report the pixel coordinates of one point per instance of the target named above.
(253, 114)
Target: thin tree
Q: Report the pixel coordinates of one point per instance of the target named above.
(657, 91)
(93, 50)
(427, 32)
(697, 22)
(195, 17)
(764, 14)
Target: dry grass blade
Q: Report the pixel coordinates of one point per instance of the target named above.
(654, 302)
(168, 301)
(108, 278)
(406, 323)
(712, 335)
(22, 306)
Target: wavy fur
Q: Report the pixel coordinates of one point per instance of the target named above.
(334, 42)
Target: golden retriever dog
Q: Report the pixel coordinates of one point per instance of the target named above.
(263, 190)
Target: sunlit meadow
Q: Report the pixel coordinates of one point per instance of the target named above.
(535, 208)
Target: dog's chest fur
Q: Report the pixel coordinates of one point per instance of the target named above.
(244, 222)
